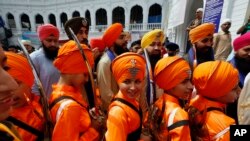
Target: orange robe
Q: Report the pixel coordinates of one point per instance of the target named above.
(8, 131)
(31, 115)
(122, 120)
(73, 123)
(180, 133)
(216, 121)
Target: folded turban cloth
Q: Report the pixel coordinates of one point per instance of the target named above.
(199, 10)
(149, 37)
(26, 42)
(200, 32)
(112, 33)
(76, 24)
(242, 41)
(214, 79)
(20, 68)
(172, 46)
(97, 42)
(47, 30)
(171, 71)
(70, 61)
(128, 65)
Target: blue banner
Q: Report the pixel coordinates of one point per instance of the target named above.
(212, 12)
(32, 36)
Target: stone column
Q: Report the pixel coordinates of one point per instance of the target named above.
(145, 18)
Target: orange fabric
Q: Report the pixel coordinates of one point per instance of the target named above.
(122, 120)
(214, 79)
(47, 30)
(181, 133)
(69, 59)
(201, 31)
(112, 33)
(128, 65)
(170, 71)
(97, 42)
(215, 120)
(150, 36)
(31, 115)
(20, 68)
(74, 123)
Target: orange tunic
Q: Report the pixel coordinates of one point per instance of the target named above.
(180, 133)
(216, 121)
(73, 123)
(122, 120)
(32, 116)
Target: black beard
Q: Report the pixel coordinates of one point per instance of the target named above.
(119, 49)
(205, 56)
(50, 54)
(154, 58)
(242, 64)
(85, 41)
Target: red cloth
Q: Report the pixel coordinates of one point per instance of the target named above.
(47, 30)
(112, 34)
(69, 59)
(241, 41)
(20, 68)
(97, 42)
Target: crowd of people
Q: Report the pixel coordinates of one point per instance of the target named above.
(102, 90)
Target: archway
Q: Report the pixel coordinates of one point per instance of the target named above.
(154, 15)
(118, 15)
(25, 22)
(52, 19)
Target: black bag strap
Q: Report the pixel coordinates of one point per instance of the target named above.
(127, 103)
(178, 124)
(25, 126)
(53, 103)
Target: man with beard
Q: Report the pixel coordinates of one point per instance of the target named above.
(116, 43)
(201, 38)
(222, 41)
(241, 61)
(152, 43)
(44, 57)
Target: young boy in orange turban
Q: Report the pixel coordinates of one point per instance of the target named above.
(125, 115)
(26, 108)
(69, 109)
(173, 75)
(217, 85)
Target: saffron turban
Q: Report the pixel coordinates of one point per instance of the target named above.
(128, 65)
(112, 33)
(200, 32)
(75, 24)
(242, 41)
(70, 61)
(97, 42)
(149, 37)
(171, 71)
(214, 79)
(47, 30)
(20, 68)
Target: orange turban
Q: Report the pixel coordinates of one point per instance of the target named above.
(171, 71)
(128, 65)
(112, 33)
(201, 31)
(214, 79)
(20, 68)
(97, 42)
(69, 59)
(149, 37)
(47, 30)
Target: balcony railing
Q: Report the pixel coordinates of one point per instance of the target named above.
(101, 28)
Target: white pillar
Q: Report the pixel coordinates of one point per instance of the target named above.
(58, 21)
(109, 16)
(32, 22)
(127, 18)
(45, 18)
(145, 18)
(92, 18)
(18, 22)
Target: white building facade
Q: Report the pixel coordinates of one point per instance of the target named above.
(137, 16)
